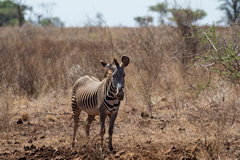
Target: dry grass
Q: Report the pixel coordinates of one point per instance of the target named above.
(51, 118)
(25, 116)
(39, 66)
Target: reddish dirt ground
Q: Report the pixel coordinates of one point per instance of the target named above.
(31, 140)
(47, 135)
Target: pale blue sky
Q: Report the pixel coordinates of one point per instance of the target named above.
(118, 12)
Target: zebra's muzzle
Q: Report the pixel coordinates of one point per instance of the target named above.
(120, 94)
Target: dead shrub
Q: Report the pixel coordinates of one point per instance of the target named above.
(6, 113)
(213, 117)
(25, 116)
(148, 63)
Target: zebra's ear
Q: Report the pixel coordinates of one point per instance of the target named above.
(104, 64)
(115, 62)
(125, 61)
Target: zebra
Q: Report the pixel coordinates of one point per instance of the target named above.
(97, 97)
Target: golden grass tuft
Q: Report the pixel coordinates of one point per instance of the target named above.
(51, 118)
(25, 116)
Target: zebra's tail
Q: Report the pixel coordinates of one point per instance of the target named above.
(74, 105)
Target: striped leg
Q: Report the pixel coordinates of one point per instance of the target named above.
(88, 123)
(112, 119)
(102, 122)
(76, 113)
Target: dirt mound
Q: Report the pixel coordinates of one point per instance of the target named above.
(33, 152)
(90, 152)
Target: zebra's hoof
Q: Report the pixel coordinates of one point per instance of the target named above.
(111, 148)
(73, 144)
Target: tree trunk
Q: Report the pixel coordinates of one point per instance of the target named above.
(20, 20)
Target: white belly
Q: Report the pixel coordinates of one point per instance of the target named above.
(92, 112)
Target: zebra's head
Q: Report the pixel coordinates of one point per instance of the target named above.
(118, 75)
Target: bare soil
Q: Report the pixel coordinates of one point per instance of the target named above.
(47, 135)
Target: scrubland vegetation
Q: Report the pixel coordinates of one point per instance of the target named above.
(179, 104)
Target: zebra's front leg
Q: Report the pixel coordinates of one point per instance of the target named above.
(112, 119)
(88, 123)
(102, 122)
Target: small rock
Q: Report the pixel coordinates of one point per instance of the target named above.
(32, 153)
(26, 148)
(227, 145)
(59, 157)
(57, 152)
(20, 122)
(23, 158)
(173, 148)
(33, 147)
(30, 141)
(164, 99)
(181, 129)
(42, 137)
(143, 114)
(16, 142)
(15, 151)
(42, 148)
(118, 154)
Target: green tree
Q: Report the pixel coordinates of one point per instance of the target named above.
(46, 18)
(232, 9)
(221, 58)
(186, 16)
(100, 19)
(54, 21)
(12, 13)
(143, 21)
(161, 9)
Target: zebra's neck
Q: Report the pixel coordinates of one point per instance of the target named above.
(110, 101)
(109, 88)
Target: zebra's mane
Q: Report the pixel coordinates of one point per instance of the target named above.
(108, 73)
(105, 87)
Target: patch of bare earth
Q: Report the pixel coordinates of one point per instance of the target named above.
(42, 129)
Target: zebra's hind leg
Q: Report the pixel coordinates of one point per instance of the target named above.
(89, 120)
(75, 118)
(76, 113)
(112, 119)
